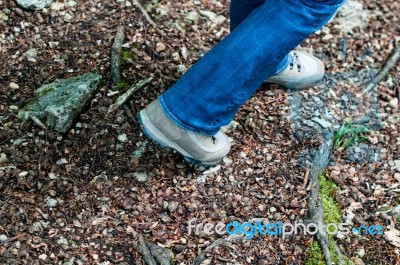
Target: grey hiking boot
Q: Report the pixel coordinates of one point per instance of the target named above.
(207, 150)
(303, 71)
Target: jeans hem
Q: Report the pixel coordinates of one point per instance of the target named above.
(178, 122)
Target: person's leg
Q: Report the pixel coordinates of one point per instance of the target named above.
(188, 116)
(241, 9)
(209, 94)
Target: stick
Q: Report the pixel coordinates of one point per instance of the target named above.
(116, 54)
(389, 65)
(145, 14)
(123, 98)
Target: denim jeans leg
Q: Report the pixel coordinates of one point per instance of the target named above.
(209, 94)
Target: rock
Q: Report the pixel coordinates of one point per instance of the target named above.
(360, 252)
(13, 85)
(57, 6)
(396, 175)
(31, 55)
(71, 4)
(140, 176)
(323, 123)
(43, 256)
(160, 46)
(34, 4)
(208, 14)
(172, 206)
(3, 158)
(219, 19)
(122, 138)
(51, 203)
(394, 103)
(3, 238)
(58, 103)
(193, 16)
(357, 261)
(397, 165)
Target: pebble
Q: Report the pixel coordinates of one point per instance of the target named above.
(122, 138)
(14, 85)
(31, 55)
(360, 252)
(397, 176)
(160, 46)
(193, 16)
(172, 206)
(397, 164)
(51, 203)
(56, 6)
(43, 256)
(208, 14)
(325, 124)
(3, 158)
(358, 261)
(394, 103)
(3, 238)
(140, 176)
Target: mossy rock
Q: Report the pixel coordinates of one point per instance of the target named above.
(58, 103)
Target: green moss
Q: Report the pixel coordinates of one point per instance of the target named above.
(126, 57)
(331, 214)
(122, 84)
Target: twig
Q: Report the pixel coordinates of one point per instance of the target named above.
(306, 178)
(38, 122)
(144, 12)
(123, 98)
(389, 65)
(116, 54)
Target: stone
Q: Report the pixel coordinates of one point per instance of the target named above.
(31, 55)
(57, 6)
(122, 138)
(208, 14)
(51, 203)
(3, 238)
(357, 261)
(219, 19)
(353, 15)
(34, 4)
(172, 206)
(360, 252)
(57, 104)
(193, 16)
(323, 123)
(394, 103)
(14, 85)
(140, 176)
(397, 165)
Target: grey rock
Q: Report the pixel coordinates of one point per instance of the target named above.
(193, 16)
(3, 238)
(141, 176)
(34, 4)
(31, 55)
(325, 124)
(58, 103)
(208, 14)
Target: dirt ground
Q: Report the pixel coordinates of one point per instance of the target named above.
(73, 198)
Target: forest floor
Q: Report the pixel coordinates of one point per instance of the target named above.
(76, 198)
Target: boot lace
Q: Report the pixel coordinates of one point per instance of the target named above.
(294, 60)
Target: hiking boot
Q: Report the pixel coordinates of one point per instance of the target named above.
(195, 147)
(303, 71)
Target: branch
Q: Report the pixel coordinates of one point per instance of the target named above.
(145, 14)
(123, 98)
(116, 55)
(389, 65)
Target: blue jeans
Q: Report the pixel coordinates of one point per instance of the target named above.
(209, 94)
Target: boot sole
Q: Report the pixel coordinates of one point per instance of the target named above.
(159, 139)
